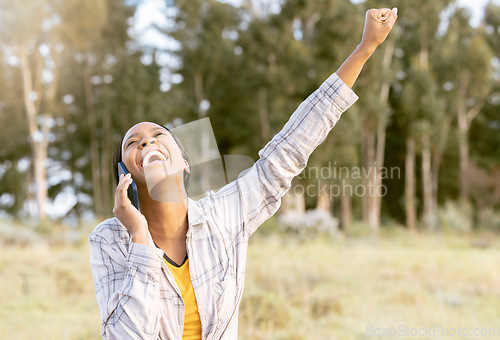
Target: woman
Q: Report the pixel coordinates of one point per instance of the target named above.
(175, 269)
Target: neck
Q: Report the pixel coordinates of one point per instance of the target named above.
(167, 222)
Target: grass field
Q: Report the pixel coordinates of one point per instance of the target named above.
(348, 288)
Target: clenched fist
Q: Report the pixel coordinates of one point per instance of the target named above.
(378, 24)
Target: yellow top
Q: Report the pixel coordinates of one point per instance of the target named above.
(192, 323)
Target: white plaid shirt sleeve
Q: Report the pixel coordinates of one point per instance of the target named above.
(126, 284)
(284, 157)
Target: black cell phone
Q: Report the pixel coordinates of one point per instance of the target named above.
(132, 189)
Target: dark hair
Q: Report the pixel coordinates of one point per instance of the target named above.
(117, 156)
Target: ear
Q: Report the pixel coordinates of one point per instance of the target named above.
(186, 167)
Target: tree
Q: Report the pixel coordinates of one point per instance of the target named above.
(420, 108)
(27, 28)
(15, 149)
(374, 87)
(97, 40)
(466, 59)
(47, 38)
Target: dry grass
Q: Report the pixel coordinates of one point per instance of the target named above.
(47, 293)
(317, 289)
(344, 289)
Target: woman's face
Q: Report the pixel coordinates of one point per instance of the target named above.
(150, 145)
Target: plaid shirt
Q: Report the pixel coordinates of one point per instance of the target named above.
(136, 293)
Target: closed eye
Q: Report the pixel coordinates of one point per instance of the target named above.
(130, 143)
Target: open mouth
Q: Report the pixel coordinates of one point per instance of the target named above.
(153, 157)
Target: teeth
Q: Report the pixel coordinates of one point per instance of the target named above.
(150, 154)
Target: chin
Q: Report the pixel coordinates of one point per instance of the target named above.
(164, 187)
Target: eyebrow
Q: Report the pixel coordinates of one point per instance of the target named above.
(135, 134)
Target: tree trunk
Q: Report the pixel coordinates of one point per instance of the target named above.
(264, 115)
(465, 118)
(30, 193)
(94, 143)
(368, 159)
(285, 206)
(410, 184)
(464, 165)
(463, 128)
(324, 203)
(293, 202)
(437, 156)
(376, 199)
(372, 198)
(375, 205)
(346, 206)
(300, 203)
(436, 165)
(40, 161)
(38, 136)
(429, 214)
(106, 159)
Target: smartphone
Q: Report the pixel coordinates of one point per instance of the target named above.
(132, 189)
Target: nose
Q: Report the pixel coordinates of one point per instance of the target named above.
(148, 141)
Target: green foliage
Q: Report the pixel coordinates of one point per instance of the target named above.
(253, 67)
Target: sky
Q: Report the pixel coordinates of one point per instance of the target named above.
(152, 12)
(477, 8)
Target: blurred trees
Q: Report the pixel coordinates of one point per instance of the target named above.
(428, 98)
(425, 121)
(468, 71)
(59, 61)
(29, 35)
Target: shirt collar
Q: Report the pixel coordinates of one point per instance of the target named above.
(196, 215)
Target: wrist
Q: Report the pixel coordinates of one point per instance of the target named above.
(365, 49)
(140, 236)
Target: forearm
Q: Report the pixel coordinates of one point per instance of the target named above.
(378, 24)
(351, 68)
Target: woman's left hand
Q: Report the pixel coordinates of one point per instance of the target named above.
(378, 24)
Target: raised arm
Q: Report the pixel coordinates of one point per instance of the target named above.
(378, 24)
(257, 195)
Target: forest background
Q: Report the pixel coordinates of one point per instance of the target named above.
(424, 135)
